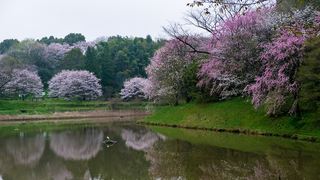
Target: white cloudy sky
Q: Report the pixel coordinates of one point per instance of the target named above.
(93, 18)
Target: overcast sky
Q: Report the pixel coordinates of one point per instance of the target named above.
(22, 19)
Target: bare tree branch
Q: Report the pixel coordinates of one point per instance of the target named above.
(199, 20)
(177, 32)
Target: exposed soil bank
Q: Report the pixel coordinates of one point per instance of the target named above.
(119, 114)
(239, 131)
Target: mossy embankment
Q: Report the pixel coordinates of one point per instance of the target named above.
(236, 115)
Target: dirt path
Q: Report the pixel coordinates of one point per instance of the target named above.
(121, 114)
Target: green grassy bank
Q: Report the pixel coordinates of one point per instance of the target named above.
(47, 106)
(236, 115)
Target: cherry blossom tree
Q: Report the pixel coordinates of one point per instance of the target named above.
(83, 45)
(135, 88)
(24, 83)
(81, 85)
(234, 54)
(56, 51)
(281, 59)
(166, 71)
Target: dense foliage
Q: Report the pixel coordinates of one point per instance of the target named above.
(80, 85)
(120, 58)
(309, 76)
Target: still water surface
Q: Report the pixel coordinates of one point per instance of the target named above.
(153, 153)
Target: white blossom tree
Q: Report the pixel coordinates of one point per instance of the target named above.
(166, 71)
(24, 83)
(81, 85)
(55, 52)
(134, 88)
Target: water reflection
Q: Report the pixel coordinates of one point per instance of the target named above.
(141, 141)
(77, 145)
(26, 150)
(142, 153)
(56, 170)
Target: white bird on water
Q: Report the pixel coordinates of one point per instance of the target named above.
(109, 142)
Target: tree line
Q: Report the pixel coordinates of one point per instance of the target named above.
(112, 59)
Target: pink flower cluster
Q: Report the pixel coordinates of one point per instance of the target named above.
(281, 59)
(81, 85)
(234, 61)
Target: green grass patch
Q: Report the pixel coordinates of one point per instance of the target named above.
(236, 113)
(47, 106)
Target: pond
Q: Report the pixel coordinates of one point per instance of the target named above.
(153, 153)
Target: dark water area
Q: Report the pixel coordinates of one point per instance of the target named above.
(153, 153)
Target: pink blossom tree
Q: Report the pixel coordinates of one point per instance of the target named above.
(24, 83)
(81, 85)
(234, 54)
(135, 88)
(281, 59)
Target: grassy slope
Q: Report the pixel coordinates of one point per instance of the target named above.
(234, 114)
(46, 106)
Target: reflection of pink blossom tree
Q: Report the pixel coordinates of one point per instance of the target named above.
(23, 83)
(140, 141)
(134, 88)
(75, 84)
(26, 150)
(77, 145)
